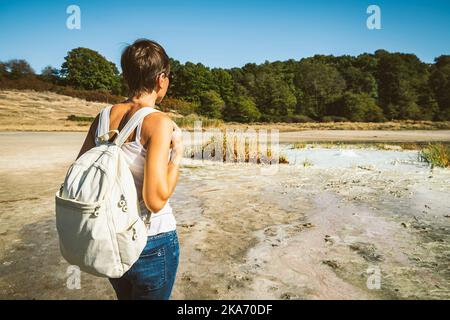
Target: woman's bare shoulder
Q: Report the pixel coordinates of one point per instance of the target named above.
(119, 109)
(157, 122)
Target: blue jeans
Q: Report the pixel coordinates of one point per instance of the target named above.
(152, 276)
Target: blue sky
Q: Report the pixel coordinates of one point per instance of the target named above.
(223, 33)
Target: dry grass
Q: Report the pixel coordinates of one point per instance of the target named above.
(43, 111)
(235, 148)
(307, 163)
(436, 154)
(299, 145)
(27, 110)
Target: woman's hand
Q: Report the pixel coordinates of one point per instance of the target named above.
(176, 145)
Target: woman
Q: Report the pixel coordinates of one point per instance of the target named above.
(146, 70)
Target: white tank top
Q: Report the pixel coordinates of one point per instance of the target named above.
(163, 220)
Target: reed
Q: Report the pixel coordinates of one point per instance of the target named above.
(436, 154)
(231, 152)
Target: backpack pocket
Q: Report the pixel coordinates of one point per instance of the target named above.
(79, 219)
(132, 242)
(84, 234)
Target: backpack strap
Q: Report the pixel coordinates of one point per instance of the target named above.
(132, 124)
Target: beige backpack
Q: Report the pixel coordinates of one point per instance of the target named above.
(97, 210)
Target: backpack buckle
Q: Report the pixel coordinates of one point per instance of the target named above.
(105, 137)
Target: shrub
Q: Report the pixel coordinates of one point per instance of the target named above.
(73, 117)
(30, 82)
(298, 118)
(188, 121)
(334, 119)
(179, 105)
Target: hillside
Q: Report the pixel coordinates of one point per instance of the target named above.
(43, 111)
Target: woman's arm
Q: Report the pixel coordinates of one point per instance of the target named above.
(160, 176)
(89, 141)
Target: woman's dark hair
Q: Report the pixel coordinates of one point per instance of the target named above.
(141, 63)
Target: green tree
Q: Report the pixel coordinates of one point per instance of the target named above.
(3, 70)
(320, 84)
(211, 104)
(401, 80)
(440, 85)
(359, 81)
(18, 68)
(50, 74)
(366, 62)
(241, 109)
(87, 69)
(174, 90)
(222, 83)
(359, 107)
(273, 96)
(192, 80)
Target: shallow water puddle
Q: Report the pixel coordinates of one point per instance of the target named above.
(347, 158)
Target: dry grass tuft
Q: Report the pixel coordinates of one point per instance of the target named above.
(436, 154)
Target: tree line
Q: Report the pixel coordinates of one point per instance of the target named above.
(369, 87)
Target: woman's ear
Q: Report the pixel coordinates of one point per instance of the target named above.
(161, 79)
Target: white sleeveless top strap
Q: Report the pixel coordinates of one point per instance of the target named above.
(103, 125)
(136, 119)
(138, 132)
